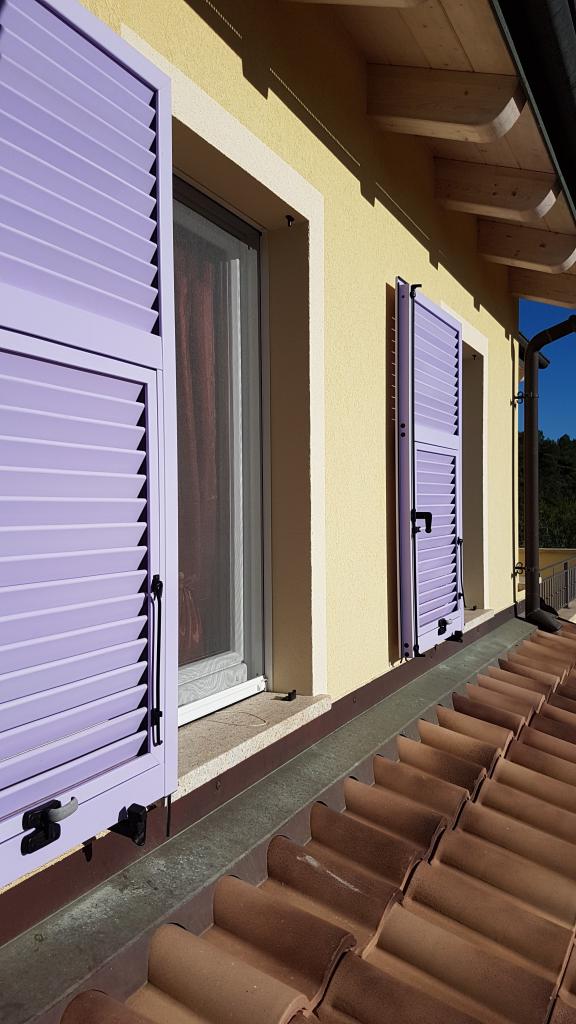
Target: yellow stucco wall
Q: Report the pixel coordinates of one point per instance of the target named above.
(290, 74)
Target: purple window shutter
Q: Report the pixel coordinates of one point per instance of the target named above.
(429, 472)
(88, 703)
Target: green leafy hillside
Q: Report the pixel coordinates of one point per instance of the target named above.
(557, 491)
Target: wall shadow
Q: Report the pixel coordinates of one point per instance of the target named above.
(305, 56)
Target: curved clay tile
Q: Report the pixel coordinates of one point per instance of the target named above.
(276, 937)
(367, 842)
(189, 982)
(362, 994)
(443, 797)
(332, 886)
(98, 1008)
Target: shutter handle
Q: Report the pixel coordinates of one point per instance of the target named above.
(426, 516)
(59, 813)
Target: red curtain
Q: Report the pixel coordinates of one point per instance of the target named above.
(203, 389)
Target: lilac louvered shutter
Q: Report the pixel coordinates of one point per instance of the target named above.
(88, 678)
(429, 472)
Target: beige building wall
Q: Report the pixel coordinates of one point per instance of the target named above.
(289, 73)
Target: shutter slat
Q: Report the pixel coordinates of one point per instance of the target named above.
(28, 276)
(59, 779)
(42, 397)
(43, 540)
(38, 678)
(65, 723)
(135, 193)
(65, 186)
(48, 426)
(70, 49)
(22, 52)
(70, 643)
(42, 371)
(443, 596)
(76, 127)
(36, 706)
(68, 483)
(440, 612)
(33, 250)
(28, 98)
(29, 194)
(33, 452)
(41, 596)
(35, 624)
(33, 762)
(69, 564)
(428, 373)
(438, 581)
(26, 511)
(28, 222)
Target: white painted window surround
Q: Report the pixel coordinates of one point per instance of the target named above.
(478, 342)
(199, 112)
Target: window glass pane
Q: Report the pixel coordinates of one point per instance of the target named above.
(218, 368)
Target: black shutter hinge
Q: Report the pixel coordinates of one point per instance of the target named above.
(517, 399)
(133, 825)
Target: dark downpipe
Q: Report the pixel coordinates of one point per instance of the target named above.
(534, 613)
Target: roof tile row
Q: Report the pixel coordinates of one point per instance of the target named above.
(445, 892)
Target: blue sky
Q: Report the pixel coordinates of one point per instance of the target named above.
(558, 381)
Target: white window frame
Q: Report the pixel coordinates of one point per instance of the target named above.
(227, 673)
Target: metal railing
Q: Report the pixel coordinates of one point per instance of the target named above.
(558, 583)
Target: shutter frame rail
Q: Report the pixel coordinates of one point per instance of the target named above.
(429, 472)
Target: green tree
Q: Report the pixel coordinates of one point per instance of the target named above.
(557, 462)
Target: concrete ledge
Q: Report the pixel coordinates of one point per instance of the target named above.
(212, 745)
(101, 939)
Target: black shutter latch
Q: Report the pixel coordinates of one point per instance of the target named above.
(426, 516)
(45, 831)
(133, 824)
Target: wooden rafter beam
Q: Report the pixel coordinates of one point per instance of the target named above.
(557, 289)
(529, 248)
(365, 3)
(504, 192)
(457, 105)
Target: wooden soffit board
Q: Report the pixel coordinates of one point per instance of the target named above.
(556, 289)
(443, 104)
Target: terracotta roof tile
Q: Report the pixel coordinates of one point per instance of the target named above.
(545, 891)
(440, 764)
(540, 740)
(98, 1008)
(509, 928)
(435, 958)
(445, 893)
(563, 1013)
(486, 712)
(396, 815)
(363, 994)
(510, 686)
(547, 680)
(189, 984)
(339, 889)
(427, 790)
(496, 698)
(541, 761)
(465, 747)
(256, 928)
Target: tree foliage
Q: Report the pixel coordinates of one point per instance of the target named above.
(557, 461)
